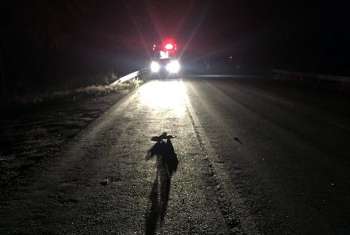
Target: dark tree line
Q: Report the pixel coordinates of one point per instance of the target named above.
(37, 41)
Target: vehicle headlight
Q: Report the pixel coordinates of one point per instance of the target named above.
(173, 66)
(155, 67)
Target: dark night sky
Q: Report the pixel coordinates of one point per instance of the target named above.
(202, 27)
(276, 31)
(293, 35)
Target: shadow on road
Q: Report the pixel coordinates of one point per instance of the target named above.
(166, 165)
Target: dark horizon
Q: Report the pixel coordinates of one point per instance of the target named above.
(61, 39)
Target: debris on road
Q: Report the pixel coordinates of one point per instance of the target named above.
(104, 182)
(238, 140)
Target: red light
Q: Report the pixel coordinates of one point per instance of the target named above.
(169, 46)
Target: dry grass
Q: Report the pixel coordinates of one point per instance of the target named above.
(88, 91)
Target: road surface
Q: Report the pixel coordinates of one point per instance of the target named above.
(253, 158)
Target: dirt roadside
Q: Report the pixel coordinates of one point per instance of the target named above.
(32, 134)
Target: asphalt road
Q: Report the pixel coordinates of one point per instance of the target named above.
(254, 157)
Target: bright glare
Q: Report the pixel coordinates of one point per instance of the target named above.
(155, 67)
(164, 96)
(169, 46)
(173, 66)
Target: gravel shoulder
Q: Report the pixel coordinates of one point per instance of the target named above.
(33, 133)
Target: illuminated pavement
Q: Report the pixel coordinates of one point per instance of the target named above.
(250, 161)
